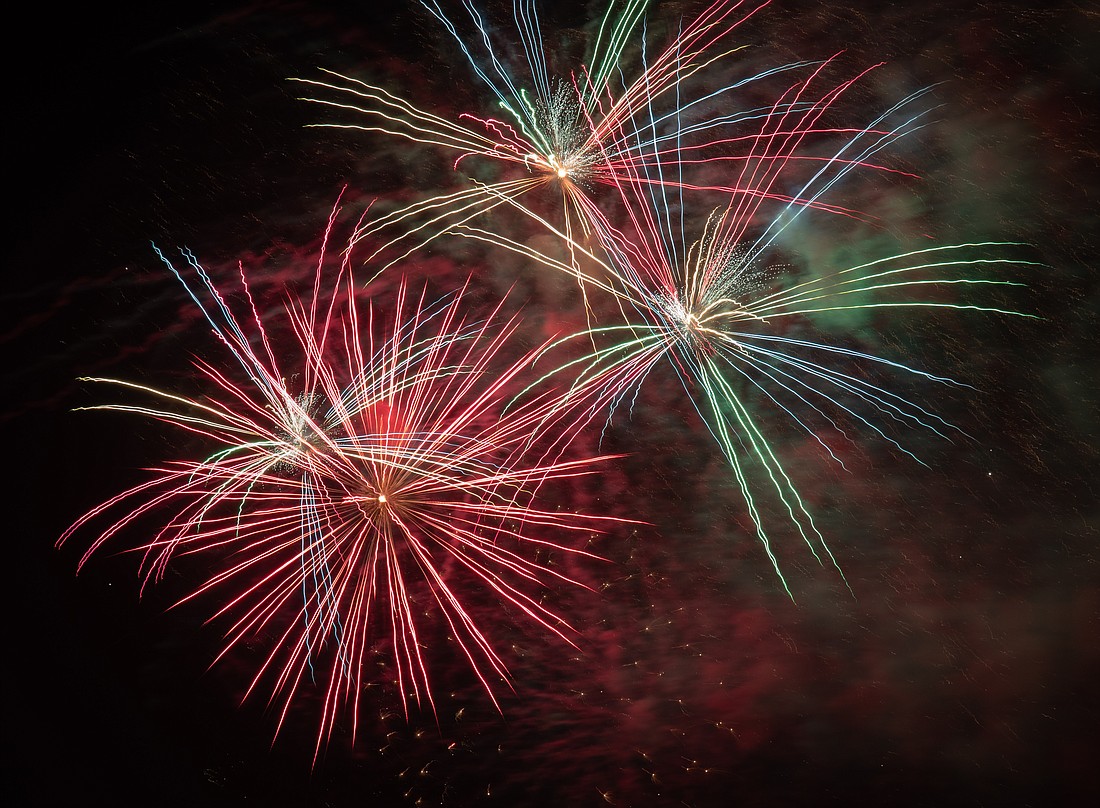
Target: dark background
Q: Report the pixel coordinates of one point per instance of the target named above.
(962, 673)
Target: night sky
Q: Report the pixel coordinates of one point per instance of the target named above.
(959, 669)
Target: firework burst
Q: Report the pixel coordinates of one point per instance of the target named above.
(592, 127)
(380, 482)
(706, 296)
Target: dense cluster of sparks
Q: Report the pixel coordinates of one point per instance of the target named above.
(388, 468)
(409, 448)
(571, 131)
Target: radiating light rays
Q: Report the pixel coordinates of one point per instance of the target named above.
(372, 497)
(366, 479)
(740, 356)
(702, 294)
(577, 131)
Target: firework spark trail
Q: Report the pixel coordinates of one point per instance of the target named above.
(389, 481)
(594, 127)
(705, 302)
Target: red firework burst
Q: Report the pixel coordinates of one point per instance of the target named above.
(344, 504)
